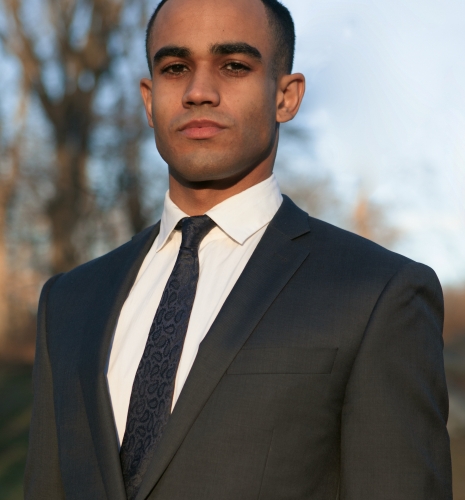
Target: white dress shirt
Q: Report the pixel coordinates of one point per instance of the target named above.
(240, 223)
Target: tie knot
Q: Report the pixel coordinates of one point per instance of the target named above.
(194, 230)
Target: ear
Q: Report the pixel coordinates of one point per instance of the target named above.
(290, 92)
(146, 93)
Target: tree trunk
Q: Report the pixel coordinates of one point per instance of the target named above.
(7, 188)
(65, 210)
(132, 186)
(71, 120)
(4, 280)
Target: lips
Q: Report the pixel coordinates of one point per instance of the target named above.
(201, 129)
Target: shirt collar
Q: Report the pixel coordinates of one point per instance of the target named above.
(239, 216)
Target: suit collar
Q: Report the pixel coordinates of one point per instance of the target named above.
(281, 251)
(111, 285)
(291, 220)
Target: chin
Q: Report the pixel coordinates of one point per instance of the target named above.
(204, 168)
(204, 173)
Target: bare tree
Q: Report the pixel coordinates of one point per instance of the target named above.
(82, 60)
(79, 66)
(9, 179)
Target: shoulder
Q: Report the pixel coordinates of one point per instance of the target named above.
(346, 260)
(348, 246)
(360, 253)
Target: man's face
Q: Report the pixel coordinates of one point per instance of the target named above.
(213, 91)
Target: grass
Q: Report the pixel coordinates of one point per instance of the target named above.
(15, 413)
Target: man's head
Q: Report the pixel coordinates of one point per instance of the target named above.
(282, 31)
(220, 87)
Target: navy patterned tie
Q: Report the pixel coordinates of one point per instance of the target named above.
(153, 387)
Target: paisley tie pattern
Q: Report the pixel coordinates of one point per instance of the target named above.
(153, 387)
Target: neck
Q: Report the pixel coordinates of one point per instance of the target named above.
(196, 198)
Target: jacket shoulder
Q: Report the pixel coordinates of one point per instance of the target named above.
(332, 242)
(355, 257)
(351, 243)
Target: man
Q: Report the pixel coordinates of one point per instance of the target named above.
(238, 349)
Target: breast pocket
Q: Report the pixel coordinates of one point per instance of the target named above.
(283, 360)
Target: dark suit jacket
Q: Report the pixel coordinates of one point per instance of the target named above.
(322, 373)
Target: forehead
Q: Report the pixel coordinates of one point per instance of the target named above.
(198, 24)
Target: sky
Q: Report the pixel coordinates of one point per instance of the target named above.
(385, 107)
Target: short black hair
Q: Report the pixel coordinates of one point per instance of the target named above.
(282, 27)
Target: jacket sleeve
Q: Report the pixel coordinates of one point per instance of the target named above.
(394, 441)
(42, 479)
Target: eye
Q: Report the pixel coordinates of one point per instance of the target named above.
(236, 68)
(175, 69)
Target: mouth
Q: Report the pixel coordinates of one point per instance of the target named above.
(201, 129)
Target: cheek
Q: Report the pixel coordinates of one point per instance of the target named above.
(164, 107)
(258, 117)
(160, 115)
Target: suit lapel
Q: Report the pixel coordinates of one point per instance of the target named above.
(111, 288)
(276, 258)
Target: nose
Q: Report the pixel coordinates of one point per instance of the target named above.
(201, 90)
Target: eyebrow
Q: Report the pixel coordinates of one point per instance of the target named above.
(216, 49)
(235, 48)
(171, 51)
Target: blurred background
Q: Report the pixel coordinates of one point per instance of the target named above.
(378, 148)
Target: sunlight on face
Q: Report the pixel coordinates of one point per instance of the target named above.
(213, 96)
